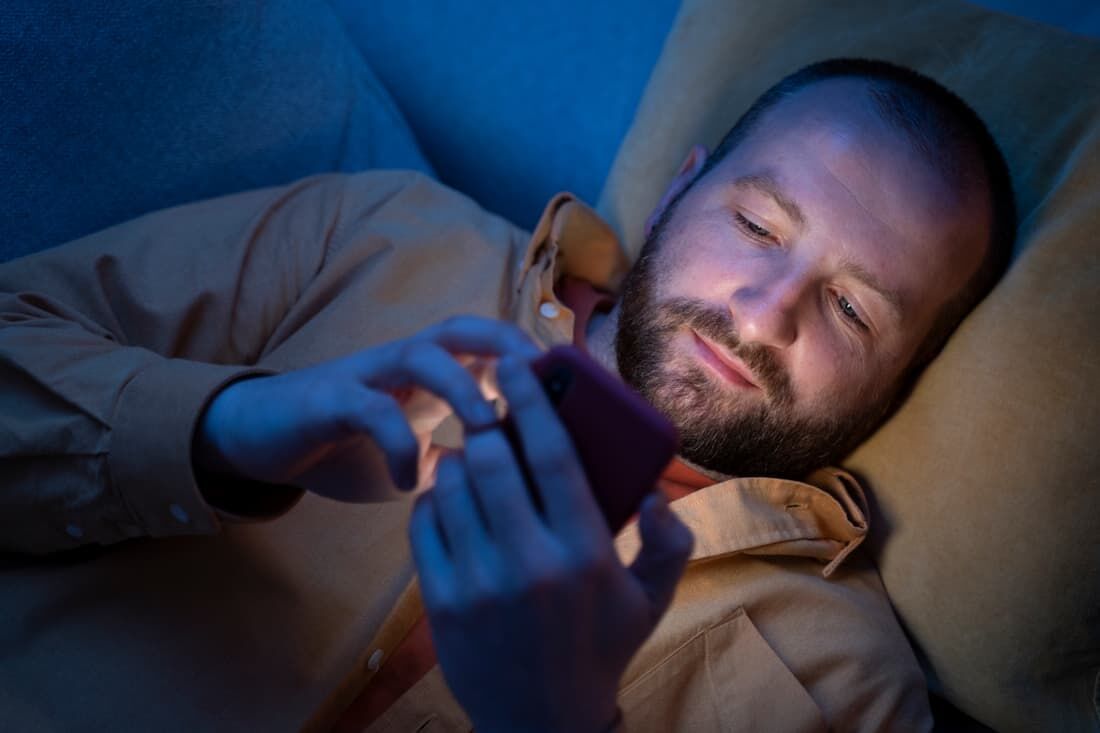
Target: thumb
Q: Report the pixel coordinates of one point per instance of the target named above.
(666, 546)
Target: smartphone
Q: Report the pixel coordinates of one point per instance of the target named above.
(623, 442)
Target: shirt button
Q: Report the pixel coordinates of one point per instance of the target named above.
(74, 531)
(549, 310)
(179, 513)
(375, 660)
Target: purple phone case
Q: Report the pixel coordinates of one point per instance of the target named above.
(623, 442)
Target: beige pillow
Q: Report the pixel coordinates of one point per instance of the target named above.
(988, 535)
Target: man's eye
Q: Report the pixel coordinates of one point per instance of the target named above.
(752, 228)
(848, 311)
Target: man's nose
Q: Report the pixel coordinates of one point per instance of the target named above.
(767, 312)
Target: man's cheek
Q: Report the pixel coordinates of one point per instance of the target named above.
(819, 371)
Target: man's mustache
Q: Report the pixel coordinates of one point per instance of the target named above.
(717, 325)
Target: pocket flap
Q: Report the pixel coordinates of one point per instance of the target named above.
(725, 678)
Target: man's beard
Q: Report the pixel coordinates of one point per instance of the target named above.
(719, 429)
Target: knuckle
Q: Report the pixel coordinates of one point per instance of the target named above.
(551, 456)
(514, 591)
(589, 561)
(529, 575)
(523, 391)
(460, 389)
(380, 414)
(324, 413)
(377, 411)
(410, 354)
(460, 322)
(489, 454)
(446, 607)
(533, 573)
(373, 403)
(480, 592)
(542, 580)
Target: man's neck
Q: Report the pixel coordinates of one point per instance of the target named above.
(600, 338)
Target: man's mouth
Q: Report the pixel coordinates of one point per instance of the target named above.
(728, 366)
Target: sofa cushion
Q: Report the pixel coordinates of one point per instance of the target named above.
(514, 101)
(112, 109)
(987, 532)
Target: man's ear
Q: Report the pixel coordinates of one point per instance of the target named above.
(689, 169)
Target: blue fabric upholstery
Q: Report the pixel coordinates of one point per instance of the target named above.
(514, 101)
(112, 108)
(115, 108)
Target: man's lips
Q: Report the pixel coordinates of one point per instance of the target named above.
(728, 366)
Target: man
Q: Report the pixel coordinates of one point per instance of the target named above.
(223, 356)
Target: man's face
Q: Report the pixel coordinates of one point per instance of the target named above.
(778, 302)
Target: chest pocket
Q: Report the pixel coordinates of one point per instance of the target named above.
(726, 678)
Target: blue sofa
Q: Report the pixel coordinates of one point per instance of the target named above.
(114, 109)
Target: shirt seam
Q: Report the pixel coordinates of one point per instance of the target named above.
(135, 518)
(739, 611)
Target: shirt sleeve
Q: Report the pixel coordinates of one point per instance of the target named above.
(111, 347)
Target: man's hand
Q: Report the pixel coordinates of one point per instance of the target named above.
(534, 617)
(308, 428)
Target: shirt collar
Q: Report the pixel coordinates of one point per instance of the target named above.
(583, 244)
(824, 518)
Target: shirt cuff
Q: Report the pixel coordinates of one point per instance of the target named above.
(150, 453)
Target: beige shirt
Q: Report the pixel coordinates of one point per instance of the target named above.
(111, 346)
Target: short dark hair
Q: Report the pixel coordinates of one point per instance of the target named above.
(941, 126)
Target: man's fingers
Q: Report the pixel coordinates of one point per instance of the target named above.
(550, 453)
(483, 336)
(501, 488)
(666, 547)
(429, 366)
(434, 566)
(378, 415)
(458, 514)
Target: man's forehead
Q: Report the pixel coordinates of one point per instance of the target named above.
(845, 195)
(836, 124)
(856, 179)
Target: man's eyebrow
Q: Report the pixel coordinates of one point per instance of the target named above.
(765, 184)
(863, 275)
